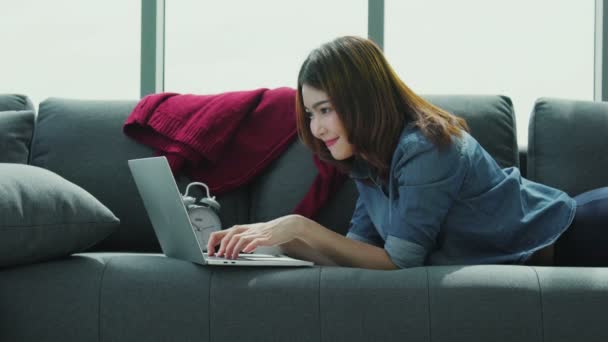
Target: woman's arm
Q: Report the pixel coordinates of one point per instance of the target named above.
(299, 249)
(300, 238)
(323, 246)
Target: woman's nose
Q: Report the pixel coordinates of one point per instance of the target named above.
(316, 128)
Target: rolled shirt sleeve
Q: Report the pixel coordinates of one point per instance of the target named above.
(429, 179)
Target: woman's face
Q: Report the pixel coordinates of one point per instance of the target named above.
(325, 123)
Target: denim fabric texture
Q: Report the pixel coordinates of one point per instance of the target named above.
(454, 205)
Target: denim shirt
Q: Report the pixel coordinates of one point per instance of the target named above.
(454, 205)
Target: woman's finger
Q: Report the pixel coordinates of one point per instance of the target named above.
(242, 242)
(214, 239)
(234, 240)
(255, 243)
(226, 239)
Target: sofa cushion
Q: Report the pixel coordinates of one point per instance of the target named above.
(484, 303)
(43, 216)
(491, 120)
(281, 188)
(16, 128)
(52, 301)
(83, 141)
(132, 297)
(15, 102)
(567, 144)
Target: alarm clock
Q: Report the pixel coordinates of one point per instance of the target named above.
(204, 214)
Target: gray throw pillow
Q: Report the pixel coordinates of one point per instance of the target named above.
(44, 216)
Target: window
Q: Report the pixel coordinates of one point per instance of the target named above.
(522, 49)
(71, 48)
(222, 46)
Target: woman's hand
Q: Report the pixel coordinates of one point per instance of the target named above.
(248, 237)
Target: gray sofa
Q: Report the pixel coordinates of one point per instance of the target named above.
(124, 289)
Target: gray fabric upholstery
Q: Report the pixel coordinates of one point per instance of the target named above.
(371, 305)
(574, 303)
(279, 190)
(491, 120)
(567, 144)
(481, 303)
(131, 297)
(51, 301)
(264, 304)
(337, 212)
(154, 298)
(17, 102)
(17, 127)
(93, 154)
(44, 216)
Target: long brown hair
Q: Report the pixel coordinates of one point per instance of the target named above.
(372, 102)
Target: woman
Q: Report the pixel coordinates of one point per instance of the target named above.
(429, 194)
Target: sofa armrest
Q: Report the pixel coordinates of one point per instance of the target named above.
(567, 144)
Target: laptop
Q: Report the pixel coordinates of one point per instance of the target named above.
(175, 233)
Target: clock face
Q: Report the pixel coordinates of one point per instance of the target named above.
(204, 221)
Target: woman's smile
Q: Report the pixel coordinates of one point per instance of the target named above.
(330, 143)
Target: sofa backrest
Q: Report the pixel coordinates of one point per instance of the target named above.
(567, 144)
(17, 117)
(9, 102)
(491, 120)
(82, 140)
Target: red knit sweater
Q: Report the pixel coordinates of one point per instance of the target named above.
(225, 140)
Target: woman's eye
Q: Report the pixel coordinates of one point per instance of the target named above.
(323, 110)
